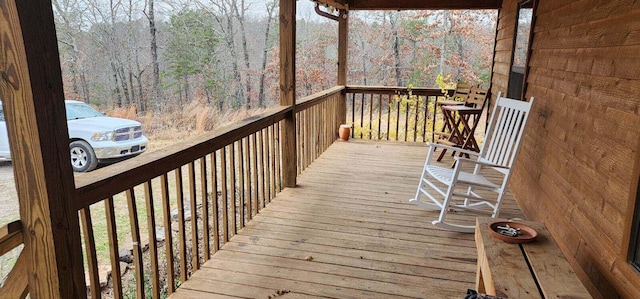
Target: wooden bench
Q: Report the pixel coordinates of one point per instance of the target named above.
(532, 270)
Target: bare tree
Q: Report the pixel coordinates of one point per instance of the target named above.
(240, 16)
(393, 20)
(270, 7)
(153, 32)
(69, 16)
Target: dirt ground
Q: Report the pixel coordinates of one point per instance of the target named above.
(9, 209)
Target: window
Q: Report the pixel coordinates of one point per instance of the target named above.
(634, 247)
(520, 50)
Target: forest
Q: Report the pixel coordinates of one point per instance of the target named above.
(221, 56)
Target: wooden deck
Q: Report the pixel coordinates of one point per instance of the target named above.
(347, 231)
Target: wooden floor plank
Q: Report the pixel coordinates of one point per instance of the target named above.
(354, 262)
(346, 231)
(332, 280)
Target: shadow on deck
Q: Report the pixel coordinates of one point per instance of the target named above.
(346, 231)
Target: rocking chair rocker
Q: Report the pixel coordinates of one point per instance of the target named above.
(498, 152)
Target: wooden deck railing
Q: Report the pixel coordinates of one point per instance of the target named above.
(317, 123)
(201, 192)
(204, 191)
(392, 113)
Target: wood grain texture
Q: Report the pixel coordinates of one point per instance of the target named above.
(168, 233)
(531, 270)
(288, 89)
(136, 243)
(15, 284)
(341, 235)
(33, 102)
(579, 165)
(114, 254)
(10, 236)
(90, 249)
(153, 249)
(343, 47)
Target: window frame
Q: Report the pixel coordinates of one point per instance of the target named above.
(530, 4)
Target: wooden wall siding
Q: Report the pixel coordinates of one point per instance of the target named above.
(579, 165)
(503, 49)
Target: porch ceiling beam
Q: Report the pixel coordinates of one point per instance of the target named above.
(413, 4)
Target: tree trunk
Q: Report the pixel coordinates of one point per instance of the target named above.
(393, 19)
(157, 97)
(240, 14)
(443, 43)
(364, 63)
(270, 9)
(234, 60)
(116, 85)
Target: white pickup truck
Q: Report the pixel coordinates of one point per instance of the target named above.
(93, 137)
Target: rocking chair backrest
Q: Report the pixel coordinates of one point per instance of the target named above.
(505, 131)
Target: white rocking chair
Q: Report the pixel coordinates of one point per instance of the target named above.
(498, 152)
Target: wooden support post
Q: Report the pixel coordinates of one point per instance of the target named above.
(343, 50)
(33, 100)
(288, 89)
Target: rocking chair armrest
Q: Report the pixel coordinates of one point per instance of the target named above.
(465, 160)
(452, 148)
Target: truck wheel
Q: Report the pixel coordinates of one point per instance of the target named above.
(83, 158)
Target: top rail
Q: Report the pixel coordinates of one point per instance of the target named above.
(419, 91)
(316, 98)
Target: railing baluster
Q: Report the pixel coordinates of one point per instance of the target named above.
(153, 251)
(433, 123)
(278, 161)
(135, 241)
(232, 186)
(241, 174)
(310, 137)
(267, 170)
(195, 249)
(388, 116)
(299, 141)
(273, 160)
(353, 114)
(168, 235)
(224, 203)
(256, 184)
(90, 247)
(379, 115)
(426, 114)
(406, 118)
(415, 122)
(361, 114)
(247, 179)
(370, 126)
(398, 118)
(182, 238)
(112, 235)
(214, 202)
(205, 209)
